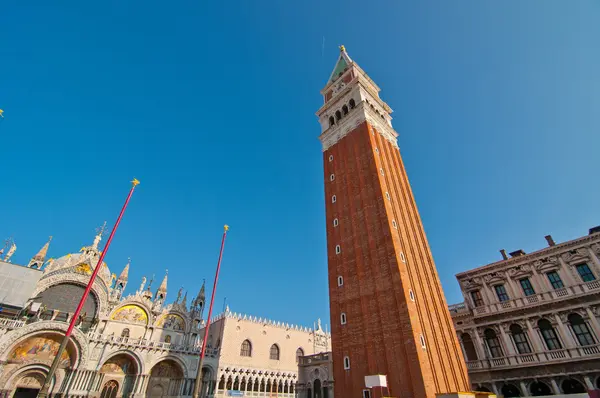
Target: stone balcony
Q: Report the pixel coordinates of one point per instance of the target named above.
(536, 358)
(152, 345)
(553, 296)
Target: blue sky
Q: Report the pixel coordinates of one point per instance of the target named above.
(211, 105)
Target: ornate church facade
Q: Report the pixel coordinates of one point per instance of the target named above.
(135, 345)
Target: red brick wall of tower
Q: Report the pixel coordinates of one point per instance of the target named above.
(384, 325)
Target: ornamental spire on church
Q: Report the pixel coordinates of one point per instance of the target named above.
(163, 286)
(38, 260)
(125, 273)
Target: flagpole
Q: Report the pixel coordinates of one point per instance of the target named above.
(198, 384)
(43, 393)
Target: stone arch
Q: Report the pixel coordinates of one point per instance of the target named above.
(469, 346)
(138, 364)
(539, 389)
(166, 377)
(78, 339)
(132, 312)
(510, 390)
(99, 289)
(172, 320)
(28, 377)
(572, 386)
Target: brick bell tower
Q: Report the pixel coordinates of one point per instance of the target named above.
(388, 311)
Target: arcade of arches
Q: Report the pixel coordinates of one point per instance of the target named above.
(540, 388)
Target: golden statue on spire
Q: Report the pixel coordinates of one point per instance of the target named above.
(342, 48)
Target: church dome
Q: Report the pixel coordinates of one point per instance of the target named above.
(81, 263)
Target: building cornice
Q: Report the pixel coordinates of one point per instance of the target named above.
(537, 255)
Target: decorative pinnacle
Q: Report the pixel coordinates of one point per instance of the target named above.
(135, 182)
(342, 48)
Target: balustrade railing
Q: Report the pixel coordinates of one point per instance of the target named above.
(535, 357)
(145, 343)
(534, 299)
(7, 323)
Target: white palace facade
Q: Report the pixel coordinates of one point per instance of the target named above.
(134, 345)
(530, 323)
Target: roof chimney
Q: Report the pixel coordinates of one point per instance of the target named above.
(517, 253)
(504, 256)
(550, 240)
(595, 230)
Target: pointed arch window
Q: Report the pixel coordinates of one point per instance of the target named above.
(299, 353)
(581, 330)
(331, 121)
(346, 363)
(345, 110)
(352, 103)
(246, 349)
(125, 333)
(274, 352)
(338, 115)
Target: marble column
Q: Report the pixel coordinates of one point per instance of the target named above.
(567, 337)
(595, 260)
(594, 324)
(510, 350)
(588, 382)
(524, 390)
(480, 347)
(538, 346)
(555, 387)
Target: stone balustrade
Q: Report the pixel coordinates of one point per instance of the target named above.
(545, 357)
(567, 292)
(154, 345)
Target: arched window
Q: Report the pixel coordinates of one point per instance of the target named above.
(110, 390)
(345, 110)
(346, 363)
(572, 386)
(352, 103)
(549, 335)
(343, 318)
(338, 249)
(333, 199)
(246, 349)
(581, 330)
(125, 333)
(168, 338)
(520, 339)
(510, 390)
(338, 115)
(274, 352)
(470, 351)
(493, 343)
(331, 121)
(299, 353)
(539, 389)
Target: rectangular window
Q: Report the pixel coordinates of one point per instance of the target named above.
(501, 293)
(366, 394)
(527, 288)
(585, 273)
(477, 299)
(555, 280)
(551, 339)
